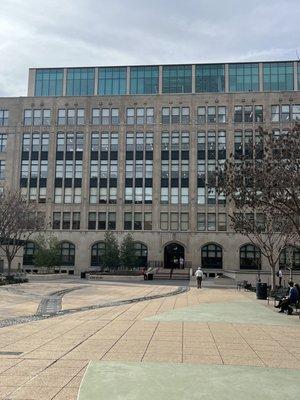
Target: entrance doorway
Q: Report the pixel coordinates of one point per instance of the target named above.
(172, 254)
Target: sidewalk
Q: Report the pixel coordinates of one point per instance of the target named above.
(210, 333)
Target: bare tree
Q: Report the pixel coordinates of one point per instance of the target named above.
(269, 231)
(266, 176)
(19, 220)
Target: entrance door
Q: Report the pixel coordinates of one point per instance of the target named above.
(172, 254)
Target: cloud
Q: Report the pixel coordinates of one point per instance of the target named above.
(120, 32)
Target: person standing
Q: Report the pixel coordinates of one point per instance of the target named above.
(280, 274)
(181, 262)
(199, 276)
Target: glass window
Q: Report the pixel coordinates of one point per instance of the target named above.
(111, 222)
(201, 195)
(149, 115)
(56, 220)
(80, 116)
(250, 257)
(201, 115)
(243, 77)
(3, 142)
(71, 117)
(177, 79)
(211, 115)
(222, 222)
(35, 144)
(210, 78)
(285, 113)
(278, 76)
(275, 113)
(201, 222)
(238, 114)
(101, 220)
(148, 221)
(140, 116)
(184, 221)
(4, 116)
(61, 117)
(67, 252)
(80, 81)
(66, 220)
(259, 114)
(96, 116)
(211, 222)
(2, 169)
(37, 117)
(144, 80)
(185, 115)
(76, 221)
(130, 116)
(166, 115)
(92, 220)
(46, 117)
(211, 256)
(248, 114)
(127, 221)
(238, 144)
(97, 252)
(296, 112)
(49, 82)
(105, 116)
(27, 117)
(112, 80)
(174, 220)
(137, 221)
(175, 115)
(164, 221)
(115, 116)
(164, 195)
(221, 115)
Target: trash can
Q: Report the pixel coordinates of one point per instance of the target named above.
(261, 291)
(83, 275)
(150, 277)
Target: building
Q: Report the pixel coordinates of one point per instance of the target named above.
(131, 148)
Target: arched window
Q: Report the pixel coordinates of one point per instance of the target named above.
(290, 258)
(97, 252)
(28, 253)
(211, 256)
(141, 251)
(250, 257)
(67, 254)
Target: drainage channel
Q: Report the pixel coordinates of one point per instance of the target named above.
(40, 315)
(51, 304)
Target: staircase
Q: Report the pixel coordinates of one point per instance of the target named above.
(178, 274)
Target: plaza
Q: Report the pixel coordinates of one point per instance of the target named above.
(193, 345)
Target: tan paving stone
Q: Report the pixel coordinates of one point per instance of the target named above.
(35, 393)
(159, 357)
(67, 393)
(201, 359)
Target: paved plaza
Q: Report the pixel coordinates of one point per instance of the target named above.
(210, 343)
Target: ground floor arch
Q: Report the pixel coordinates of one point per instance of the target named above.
(212, 256)
(250, 257)
(173, 253)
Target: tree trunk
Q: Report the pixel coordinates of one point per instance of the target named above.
(273, 276)
(9, 266)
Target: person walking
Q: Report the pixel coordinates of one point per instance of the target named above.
(199, 276)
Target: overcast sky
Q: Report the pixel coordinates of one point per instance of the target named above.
(49, 33)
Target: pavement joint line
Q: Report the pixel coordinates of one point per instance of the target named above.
(31, 318)
(150, 341)
(55, 361)
(209, 328)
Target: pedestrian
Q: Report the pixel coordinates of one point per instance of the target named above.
(181, 262)
(171, 270)
(280, 274)
(199, 276)
(292, 298)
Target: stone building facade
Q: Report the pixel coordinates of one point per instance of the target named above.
(131, 149)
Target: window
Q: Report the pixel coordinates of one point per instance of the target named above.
(211, 222)
(222, 115)
(177, 79)
(296, 112)
(102, 220)
(166, 115)
(278, 76)
(112, 81)
(222, 222)
(250, 257)
(137, 221)
(201, 195)
(258, 114)
(97, 252)
(2, 170)
(149, 116)
(248, 114)
(111, 223)
(49, 82)
(243, 77)
(144, 80)
(290, 258)
(96, 116)
(185, 115)
(275, 113)
(66, 220)
(46, 117)
(56, 220)
(175, 118)
(71, 117)
(37, 117)
(184, 221)
(164, 221)
(115, 116)
(80, 81)
(130, 116)
(92, 220)
(201, 115)
(61, 118)
(27, 117)
(4, 116)
(148, 221)
(140, 116)
(80, 116)
(174, 221)
(127, 221)
(210, 78)
(3, 142)
(28, 253)
(211, 256)
(105, 118)
(67, 253)
(211, 115)
(76, 221)
(238, 114)
(201, 222)
(141, 252)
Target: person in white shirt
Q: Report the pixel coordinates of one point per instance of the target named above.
(279, 274)
(199, 276)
